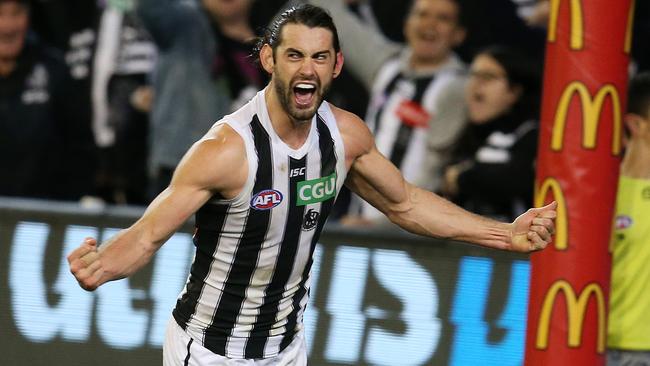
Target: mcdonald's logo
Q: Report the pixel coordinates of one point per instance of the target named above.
(591, 111)
(576, 19)
(561, 222)
(576, 307)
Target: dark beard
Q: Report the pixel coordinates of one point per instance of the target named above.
(295, 114)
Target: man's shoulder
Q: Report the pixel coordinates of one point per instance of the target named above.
(223, 136)
(354, 131)
(343, 117)
(217, 162)
(245, 115)
(222, 148)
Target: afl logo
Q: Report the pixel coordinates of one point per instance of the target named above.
(623, 222)
(266, 200)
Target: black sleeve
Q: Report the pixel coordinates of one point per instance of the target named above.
(514, 178)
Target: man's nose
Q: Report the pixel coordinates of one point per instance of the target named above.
(429, 21)
(307, 67)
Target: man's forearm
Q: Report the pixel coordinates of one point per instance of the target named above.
(431, 215)
(124, 254)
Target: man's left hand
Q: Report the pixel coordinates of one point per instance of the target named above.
(533, 230)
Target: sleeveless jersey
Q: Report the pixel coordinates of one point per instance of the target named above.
(249, 281)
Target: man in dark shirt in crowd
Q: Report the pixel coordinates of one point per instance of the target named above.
(45, 150)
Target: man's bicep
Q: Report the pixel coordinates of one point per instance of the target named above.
(214, 165)
(217, 163)
(186, 193)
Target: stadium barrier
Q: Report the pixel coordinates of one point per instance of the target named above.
(380, 297)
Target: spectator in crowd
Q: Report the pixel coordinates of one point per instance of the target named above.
(492, 170)
(416, 89)
(201, 73)
(110, 56)
(629, 319)
(516, 23)
(233, 30)
(123, 58)
(46, 149)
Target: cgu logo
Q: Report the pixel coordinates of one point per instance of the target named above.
(266, 200)
(316, 190)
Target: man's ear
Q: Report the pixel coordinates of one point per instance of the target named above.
(633, 123)
(339, 64)
(266, 58)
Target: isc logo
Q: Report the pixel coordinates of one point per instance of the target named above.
(266, 200)
(297, 172)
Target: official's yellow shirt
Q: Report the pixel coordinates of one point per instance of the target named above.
(629, 313)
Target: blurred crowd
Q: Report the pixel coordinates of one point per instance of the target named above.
(99, 100)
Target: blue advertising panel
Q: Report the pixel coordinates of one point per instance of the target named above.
(377, 298)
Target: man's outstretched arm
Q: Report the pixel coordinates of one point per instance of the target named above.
(377, 180)
(217, 163)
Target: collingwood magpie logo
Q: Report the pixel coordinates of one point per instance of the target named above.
(310, 220)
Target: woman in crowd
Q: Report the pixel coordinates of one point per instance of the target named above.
(492, 170)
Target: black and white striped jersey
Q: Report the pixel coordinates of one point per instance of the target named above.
(402, 113)
(249, 282)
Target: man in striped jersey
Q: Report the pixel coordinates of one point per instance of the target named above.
(262, 182)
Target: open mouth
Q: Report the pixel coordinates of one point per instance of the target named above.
(304, 94)
(427, 36)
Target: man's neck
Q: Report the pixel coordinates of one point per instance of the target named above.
(428, 65)
(291, 132)
(636, 163)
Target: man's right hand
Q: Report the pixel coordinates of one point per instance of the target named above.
(85, 265)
